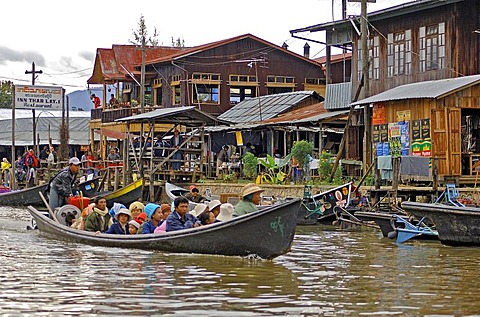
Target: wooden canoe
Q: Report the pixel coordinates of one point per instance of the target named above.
(30, 196)
(455, 225)
(23, 197)
(125, 195)
(267, 233)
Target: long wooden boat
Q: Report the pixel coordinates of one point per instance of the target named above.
(319, 207)
(173, 191)
(455, 225)
(125, 195)
(267, 233)
(23, 197)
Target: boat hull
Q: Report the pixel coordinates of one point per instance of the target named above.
(125, 195)
(267, 233)
(455, 225)
(338, 196)
(23, 197)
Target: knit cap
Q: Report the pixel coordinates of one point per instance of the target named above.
(150, 209)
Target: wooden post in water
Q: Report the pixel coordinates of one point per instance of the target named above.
(396, 176)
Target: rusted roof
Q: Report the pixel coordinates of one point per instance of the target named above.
(204, 47)
(311, 113)
(334, 58)
(109, 61)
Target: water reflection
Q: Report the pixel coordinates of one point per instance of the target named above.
(328, 273)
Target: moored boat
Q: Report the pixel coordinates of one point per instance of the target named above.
(30, 196)
(320, 207)
(455, 225)
(125, 195)
(267, 233)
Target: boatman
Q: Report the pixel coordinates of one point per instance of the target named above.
(250, 200)
(61, 185)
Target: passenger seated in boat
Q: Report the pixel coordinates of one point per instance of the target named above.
(136, 208)
(194, 195)
(141, 218)
(154, 214)
(226, 212)
(114, 210)
(133, 226)
(214, 206)
(120, 226)
(99, 220)
(250, 200)
(206, 218)
(180, 218)
(166, 210)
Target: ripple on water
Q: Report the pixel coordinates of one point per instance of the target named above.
(328, 273)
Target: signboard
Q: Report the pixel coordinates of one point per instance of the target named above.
(38, 97)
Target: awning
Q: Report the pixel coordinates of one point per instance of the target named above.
(112, 134)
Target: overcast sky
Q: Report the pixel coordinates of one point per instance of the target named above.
(61, 37)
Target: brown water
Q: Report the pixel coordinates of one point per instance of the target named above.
(328, 273)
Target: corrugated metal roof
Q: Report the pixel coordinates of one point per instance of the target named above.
(186, 115)
(265, 107)
(392, 12)
(432, 89)
(338, 96)
(109, 62)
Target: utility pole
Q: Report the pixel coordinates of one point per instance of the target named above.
(367, 138)
(34, 126)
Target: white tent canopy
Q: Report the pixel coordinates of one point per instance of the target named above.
(78, 127)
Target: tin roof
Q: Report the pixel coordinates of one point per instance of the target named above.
(109, 61)
(265, 107)
(311, 114)
(392, 12)
(338, 96)
(186, 115)
(213, 45)
(433, 89)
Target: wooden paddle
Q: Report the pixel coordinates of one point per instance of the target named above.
(80, 202)
(48, 207)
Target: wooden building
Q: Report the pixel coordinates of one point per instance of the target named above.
(438, 119)
(216, 76)
(417, 43)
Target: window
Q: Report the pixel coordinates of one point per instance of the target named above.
(176, 90)
(432, 47)
(399, 53)
(374, 54)
(238, 94)
(203, 93)
(280, 84)
(206, 88)
(157, 91)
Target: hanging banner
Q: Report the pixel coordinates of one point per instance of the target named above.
(38, 97)
(238, 136)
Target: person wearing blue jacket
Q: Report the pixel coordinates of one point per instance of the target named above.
(180, 218)
(120, 226)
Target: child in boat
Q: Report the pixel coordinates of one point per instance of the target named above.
(180, 218)
(154, 213)
(133, 226)
(99, 220)
(166, 210)
(120, 226)
(206, 217)
(136, 208)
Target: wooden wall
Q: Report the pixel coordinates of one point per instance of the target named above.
(445, 123)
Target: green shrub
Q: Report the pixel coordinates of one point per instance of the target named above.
(250, 162)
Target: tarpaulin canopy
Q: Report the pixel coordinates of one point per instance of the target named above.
(78, 127)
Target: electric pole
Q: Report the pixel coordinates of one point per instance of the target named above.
(367, 138)
(34, 126)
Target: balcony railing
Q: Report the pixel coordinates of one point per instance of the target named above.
(110, 115)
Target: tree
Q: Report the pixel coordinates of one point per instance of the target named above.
(6, 94)
(178, 42)
(141, 34)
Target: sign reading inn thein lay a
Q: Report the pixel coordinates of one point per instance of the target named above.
(33, 97)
